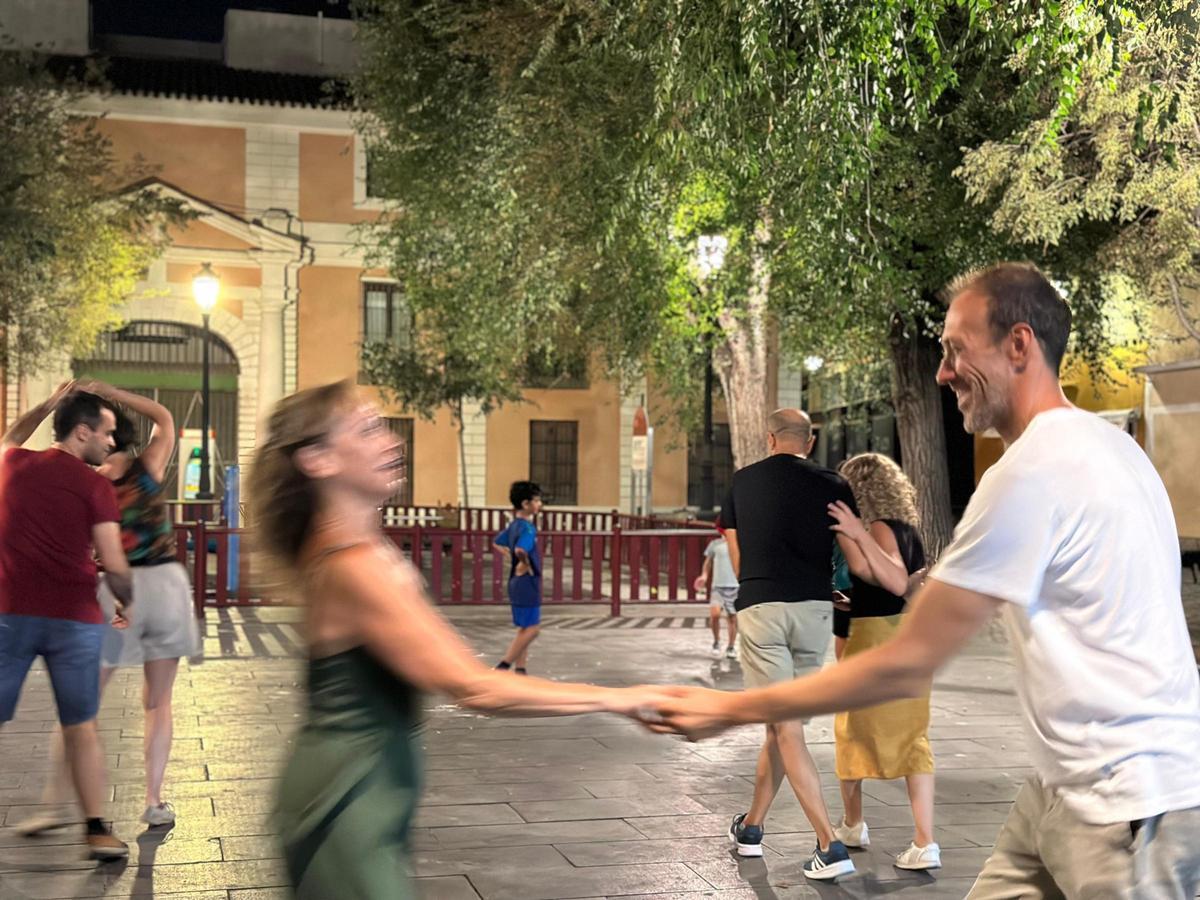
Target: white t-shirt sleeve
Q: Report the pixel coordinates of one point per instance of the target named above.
(1004, 542)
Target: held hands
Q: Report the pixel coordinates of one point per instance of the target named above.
(120, 620)
(846, 522)
(695, 713)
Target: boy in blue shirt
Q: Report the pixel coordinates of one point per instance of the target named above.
(518, 542)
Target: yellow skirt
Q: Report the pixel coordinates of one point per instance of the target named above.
(890, 740)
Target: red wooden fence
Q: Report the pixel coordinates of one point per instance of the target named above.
(461, 566)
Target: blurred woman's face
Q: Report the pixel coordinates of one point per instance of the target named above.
(370, 458)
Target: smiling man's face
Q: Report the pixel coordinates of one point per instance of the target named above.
(975, 365)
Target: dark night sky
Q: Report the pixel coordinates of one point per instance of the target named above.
(194, 20)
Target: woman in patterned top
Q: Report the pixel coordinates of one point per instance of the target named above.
(163, 628)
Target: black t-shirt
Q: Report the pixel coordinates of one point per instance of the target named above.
(779, 507)
(868, 600)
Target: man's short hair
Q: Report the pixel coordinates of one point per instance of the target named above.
(522, 491)
(1019, 292)
(77, 408)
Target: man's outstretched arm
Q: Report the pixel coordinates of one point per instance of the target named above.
(943, 620)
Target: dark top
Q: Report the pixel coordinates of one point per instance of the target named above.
(779, 507)
(146, 530)
(870, 599)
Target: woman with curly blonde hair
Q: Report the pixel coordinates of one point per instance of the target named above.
(889, 740)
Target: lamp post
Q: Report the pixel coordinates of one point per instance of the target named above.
(710, 257)
(205, 288)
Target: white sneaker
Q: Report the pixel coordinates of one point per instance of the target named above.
(163, 814)
(731, 652)
(853, 835)
(917, 858)
(716, 650)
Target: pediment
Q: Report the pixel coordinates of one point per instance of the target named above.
(215, 228)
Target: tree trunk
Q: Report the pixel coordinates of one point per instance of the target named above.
(918, 403)
(741, 359)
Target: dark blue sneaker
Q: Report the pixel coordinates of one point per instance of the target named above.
(747, 838)
(828, 865)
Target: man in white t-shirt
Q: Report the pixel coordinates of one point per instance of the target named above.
(1072, 537)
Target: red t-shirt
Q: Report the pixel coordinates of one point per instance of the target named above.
(49, 501)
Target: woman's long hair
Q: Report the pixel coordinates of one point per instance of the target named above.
(283, 500)
(881, 489)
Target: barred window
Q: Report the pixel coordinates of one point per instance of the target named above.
(553, 460)
(386, 316)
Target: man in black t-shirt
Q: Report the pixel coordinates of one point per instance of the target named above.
(777, 526)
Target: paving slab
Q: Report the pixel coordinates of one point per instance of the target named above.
(580, 808)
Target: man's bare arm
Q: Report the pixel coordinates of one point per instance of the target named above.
(943, 619)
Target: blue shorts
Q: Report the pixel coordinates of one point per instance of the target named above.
(72, 654)
(527, 616)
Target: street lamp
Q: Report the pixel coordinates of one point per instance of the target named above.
(205, 288)
(710, 257)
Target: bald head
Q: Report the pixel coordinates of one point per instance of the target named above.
(789, 431)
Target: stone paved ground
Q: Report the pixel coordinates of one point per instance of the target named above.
(526, 808)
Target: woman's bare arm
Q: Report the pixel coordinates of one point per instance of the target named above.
(409, 636)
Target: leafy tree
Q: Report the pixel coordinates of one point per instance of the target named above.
(72, 245)
(1119, 173)
(448, 363)
(561, 159)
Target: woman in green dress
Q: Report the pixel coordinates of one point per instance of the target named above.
(375, 642)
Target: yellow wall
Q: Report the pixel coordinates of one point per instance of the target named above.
(670, 453)
(1117, 387)
(597, 409)
(327, 179)
(203, 160)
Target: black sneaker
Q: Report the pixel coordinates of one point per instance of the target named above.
(747, 838)
(829, 864)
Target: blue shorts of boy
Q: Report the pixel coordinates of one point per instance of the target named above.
(71, 651)
(526, 616)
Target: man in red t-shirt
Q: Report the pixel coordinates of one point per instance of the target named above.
(54, 509)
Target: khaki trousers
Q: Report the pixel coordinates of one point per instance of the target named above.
(1045, 852)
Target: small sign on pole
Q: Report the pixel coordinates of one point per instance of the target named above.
(640, 459)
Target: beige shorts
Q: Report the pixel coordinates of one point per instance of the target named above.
(162, 624)
(781, 641)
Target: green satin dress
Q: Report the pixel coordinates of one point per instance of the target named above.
(351, 786)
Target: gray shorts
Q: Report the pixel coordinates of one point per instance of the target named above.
(1045, 850)
(723, 600)
(162, 624)
(781, 641)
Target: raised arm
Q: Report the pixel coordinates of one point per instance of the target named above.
(157, 452)
(410, 637)
(871, 554)
(24, 427)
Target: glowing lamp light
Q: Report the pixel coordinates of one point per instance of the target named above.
(205, 288)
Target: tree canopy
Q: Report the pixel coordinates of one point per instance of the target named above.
(72, 245)
(557, 161)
